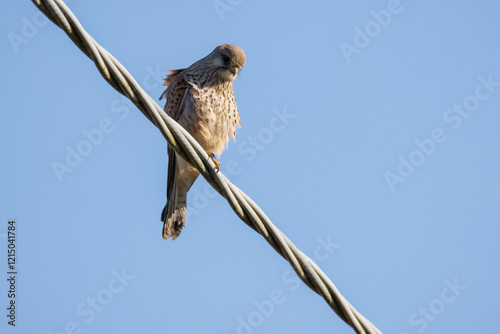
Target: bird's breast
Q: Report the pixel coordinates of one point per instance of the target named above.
(215, 117)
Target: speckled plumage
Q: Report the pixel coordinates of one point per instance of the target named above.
(201, 99)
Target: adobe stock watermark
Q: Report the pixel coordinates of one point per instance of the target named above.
(264, 309)
(454, 118)
(425, 315)
(93, 305)
(249, 148)
(28, 30)
(364, 36)
(91, 138)
(223, 6)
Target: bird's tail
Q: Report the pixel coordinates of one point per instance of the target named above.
(180, 178)
(174, 216)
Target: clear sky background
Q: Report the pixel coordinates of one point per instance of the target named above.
(370, 140)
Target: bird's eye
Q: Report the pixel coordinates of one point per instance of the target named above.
(226, 59)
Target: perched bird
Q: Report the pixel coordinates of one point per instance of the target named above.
(201, 99)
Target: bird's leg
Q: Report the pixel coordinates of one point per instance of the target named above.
(217, 163)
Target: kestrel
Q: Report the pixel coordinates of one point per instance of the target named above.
(201, 99)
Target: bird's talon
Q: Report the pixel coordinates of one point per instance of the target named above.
(217, 163)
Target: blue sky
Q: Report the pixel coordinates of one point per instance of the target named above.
(369, 136)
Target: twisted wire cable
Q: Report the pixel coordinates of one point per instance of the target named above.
(185, 145)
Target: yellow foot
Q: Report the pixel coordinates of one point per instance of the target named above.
(217, 163)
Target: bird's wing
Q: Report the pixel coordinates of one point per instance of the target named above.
(177, 88)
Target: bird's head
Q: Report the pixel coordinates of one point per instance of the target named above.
(227, 60)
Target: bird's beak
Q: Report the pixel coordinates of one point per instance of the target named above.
(234, 70)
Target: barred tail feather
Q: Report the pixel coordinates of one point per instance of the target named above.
(174, 219)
